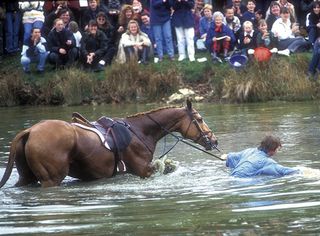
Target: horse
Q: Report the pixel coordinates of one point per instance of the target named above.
(50, 150)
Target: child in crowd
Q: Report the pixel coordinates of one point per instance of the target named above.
(265, 38)
(74, 28)
(249, 15)
(219, 38)
(248, 38)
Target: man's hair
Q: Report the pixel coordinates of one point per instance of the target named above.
(35, 28)
(269, 143)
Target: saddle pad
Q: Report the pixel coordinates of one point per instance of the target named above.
(100, 135)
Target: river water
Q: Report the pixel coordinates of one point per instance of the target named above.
(199, 198)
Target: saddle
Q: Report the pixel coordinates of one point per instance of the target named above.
(116, 134)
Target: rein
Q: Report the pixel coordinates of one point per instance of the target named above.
(178, 138)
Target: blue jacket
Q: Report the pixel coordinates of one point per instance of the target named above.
(159, 12)
(182, 15)
(252, 161)
(204, 25)
(226, 31)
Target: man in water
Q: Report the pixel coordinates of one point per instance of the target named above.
(257, 161)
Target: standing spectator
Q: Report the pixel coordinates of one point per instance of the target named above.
(160, 14)
(314, 22)
(305, 8)
(248, 38)
(12, 26)
(105, 26)
(134, 45)
(232, 21)
(34, 50)
(94, 45)
(274, 14)
(2, 16)
(219, 38)
(183, 22)
(285, 31)
(61, 45)
(91, 12)
(314, 65)
(204, 25)
(64, 14)
(33, 16)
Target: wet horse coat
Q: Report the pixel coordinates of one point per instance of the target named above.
(53, 149)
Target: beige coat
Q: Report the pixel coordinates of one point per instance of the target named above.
(128, 39)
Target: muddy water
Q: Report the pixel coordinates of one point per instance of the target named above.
(198, 198)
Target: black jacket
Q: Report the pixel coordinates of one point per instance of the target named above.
(97, 44)
(57, 40)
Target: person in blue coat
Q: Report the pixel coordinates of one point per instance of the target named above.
(257, 161)
(220, 38)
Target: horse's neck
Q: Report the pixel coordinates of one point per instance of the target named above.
(156, 124)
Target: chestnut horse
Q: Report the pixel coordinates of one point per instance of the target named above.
(52, 149)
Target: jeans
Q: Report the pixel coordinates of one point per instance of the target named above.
(163, 36)
(28, 27)
(185, 38)
(64, 59)
(315, 60)
(40, 58)
(13, 21)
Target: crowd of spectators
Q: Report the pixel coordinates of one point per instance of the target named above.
(95, 33)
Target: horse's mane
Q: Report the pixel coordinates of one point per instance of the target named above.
(151, 111)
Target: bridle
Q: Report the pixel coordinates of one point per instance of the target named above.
(203, 135)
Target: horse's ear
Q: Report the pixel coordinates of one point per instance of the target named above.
(189, 104)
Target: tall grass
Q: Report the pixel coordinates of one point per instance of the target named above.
(280, 79)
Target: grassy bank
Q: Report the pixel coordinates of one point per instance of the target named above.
(282, 78)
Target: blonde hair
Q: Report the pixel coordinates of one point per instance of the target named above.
(207, 6)
(133, 22)
(247, 23)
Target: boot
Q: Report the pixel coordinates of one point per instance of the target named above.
(130, 53)
(145, 55)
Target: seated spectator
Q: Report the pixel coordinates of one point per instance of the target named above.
(62, 46)
(274, 14)
(204, 25)
(247, 38)
(232, 21)
(183, 22)
(64, 14)
(12, 18)
(34, 50)
(105, 26)
(314, 22)
(285, 32)
(91, 12)
(74, 28)
(219, 39)
(134, 45)
(94, 45)
(33, 16)
(265, 38)
(249, 14)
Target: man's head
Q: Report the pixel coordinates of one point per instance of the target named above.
(93, 27)
(145, 18)
(58, 24)
(35, 33)
(270, 145)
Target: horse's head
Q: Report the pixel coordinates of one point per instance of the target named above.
(196, 129)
